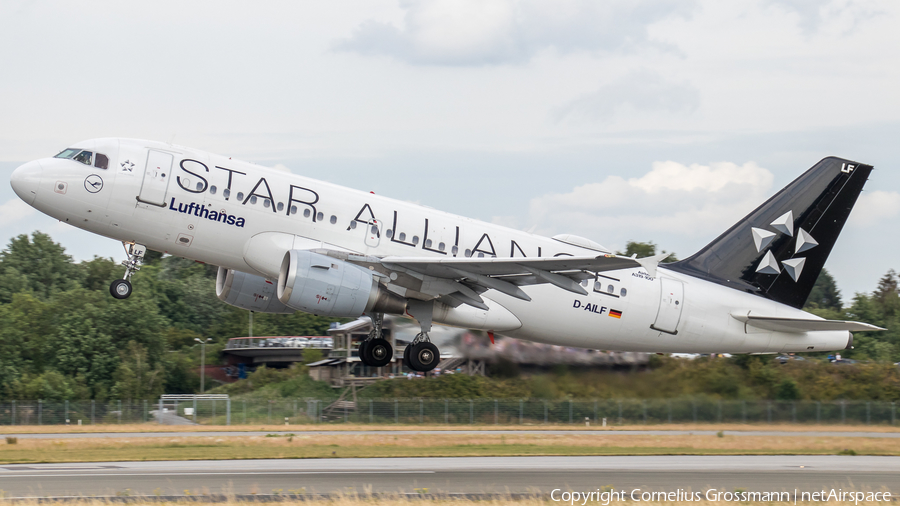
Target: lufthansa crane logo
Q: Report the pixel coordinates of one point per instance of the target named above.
(93, 183)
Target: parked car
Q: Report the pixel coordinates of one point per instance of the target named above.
(298, 342)
(321, 342)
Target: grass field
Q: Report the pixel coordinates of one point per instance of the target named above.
(341, 445)
(342, 427)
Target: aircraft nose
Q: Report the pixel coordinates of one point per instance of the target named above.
(25, 181)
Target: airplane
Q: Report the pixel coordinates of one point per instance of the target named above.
(284, 242)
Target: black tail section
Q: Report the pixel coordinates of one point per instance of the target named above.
(778, 250)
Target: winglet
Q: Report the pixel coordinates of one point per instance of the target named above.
(651, 263)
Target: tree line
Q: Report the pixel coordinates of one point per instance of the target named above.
(62, 336)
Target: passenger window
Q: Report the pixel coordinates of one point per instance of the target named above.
(623, 292)
(610, 289)
(84, 157)
(101, 161)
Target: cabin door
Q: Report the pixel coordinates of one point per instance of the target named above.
(157, 174)
(671, 302)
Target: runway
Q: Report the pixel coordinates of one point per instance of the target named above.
(770, 433)
(454, 475)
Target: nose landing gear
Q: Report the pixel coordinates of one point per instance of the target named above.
(121, 288)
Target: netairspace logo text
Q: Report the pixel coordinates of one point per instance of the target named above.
(607, 496)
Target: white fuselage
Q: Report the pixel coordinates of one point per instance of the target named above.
(244, 217)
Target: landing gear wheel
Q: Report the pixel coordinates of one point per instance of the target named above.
(120, 289)
(424, 356)
(406, 352)
(379, 352)
(362, 352)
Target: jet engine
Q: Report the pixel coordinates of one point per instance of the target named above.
(247, 291)
(326, 286)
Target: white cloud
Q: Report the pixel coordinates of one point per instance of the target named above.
(672, 200)
(638, 91)
(812, 15)
(485, 32)
(874, 206)
(13, 211)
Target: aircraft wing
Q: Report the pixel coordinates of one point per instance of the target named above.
(802, 325)
(462, 280)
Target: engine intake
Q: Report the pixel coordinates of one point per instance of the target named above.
(326, 286)
(247, 291)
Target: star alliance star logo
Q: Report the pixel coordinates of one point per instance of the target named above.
(785, 225)
(127, 166)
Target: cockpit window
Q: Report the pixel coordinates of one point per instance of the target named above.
(101, 161)
(83, 157)
(68, 153)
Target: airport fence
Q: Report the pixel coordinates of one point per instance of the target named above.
(447, 411)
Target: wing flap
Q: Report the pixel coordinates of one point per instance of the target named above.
(444, 267)
(798, 325)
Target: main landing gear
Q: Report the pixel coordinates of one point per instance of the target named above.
(121, 288)
(421, 354)
(376, 351)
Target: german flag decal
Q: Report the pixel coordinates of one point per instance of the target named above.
(615, 314)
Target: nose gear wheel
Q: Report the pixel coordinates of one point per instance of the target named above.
(121, 288)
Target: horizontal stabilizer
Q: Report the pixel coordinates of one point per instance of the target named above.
(802, 325)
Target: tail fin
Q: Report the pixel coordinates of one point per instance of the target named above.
(778, 250)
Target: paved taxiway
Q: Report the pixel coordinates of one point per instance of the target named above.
(459, 474)
(771, 433)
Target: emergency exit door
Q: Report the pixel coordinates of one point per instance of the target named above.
(671, 302)
(373, 233)
(157, 174)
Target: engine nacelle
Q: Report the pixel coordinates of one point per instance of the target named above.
(247, 291)
(326, 286)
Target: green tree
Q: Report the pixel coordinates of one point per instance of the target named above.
(887, 294)
(38, 265)
(787, 390)
(98, 273)
(51, 386)
(135, 377)
(645, 249)
(825, 294)
(180, 374)
(80, 349)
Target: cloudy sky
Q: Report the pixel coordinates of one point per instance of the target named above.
(662, 120)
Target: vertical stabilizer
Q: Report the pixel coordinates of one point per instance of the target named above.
(778, 250)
